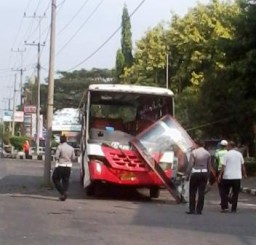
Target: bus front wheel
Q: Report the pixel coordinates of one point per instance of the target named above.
(154, 192)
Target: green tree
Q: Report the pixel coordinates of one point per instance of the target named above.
(126, 39)
(198, 56)
(196, 47)
(150, 59)
(241, 73)
(119, 63)
(124, 57)
(69, 88)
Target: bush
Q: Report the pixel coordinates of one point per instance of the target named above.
(18, 141)
(250, 166)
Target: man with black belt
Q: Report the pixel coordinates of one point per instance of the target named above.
(200, 161)
(65, 154)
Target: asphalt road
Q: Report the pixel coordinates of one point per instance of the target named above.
(32, 214)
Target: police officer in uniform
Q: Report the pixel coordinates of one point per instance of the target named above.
(200, 161)
(65, 154)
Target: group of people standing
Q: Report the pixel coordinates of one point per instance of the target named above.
(227, 169)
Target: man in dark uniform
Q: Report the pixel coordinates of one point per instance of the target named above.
(200, 161)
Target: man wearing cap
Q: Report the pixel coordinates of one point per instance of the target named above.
(200, 161)
(230, 175)
(219, 154)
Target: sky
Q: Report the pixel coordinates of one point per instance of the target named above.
(82, 27)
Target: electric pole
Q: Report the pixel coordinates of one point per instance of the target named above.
(14, 105)
(47, 163)
(21, 70)
(38, 45)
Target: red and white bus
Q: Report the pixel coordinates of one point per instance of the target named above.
(114, 117)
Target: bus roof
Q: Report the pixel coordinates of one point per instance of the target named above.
(126, 88)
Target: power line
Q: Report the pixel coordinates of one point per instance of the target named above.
(39, 17)
(47, 29)
(107, 40)
(61, 4)
(4, 69)
(19, 30)
(32, 29)
(210, 123)
(37, 7)
(21, 70)
(74, 16)
(28, 4)
(81, 26)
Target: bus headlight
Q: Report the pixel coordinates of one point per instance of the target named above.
(98, 167)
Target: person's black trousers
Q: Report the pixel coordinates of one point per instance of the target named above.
(234, 185)
(219, 185)
(197, 184)
(60, 178)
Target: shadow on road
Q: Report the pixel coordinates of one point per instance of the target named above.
(29, 183)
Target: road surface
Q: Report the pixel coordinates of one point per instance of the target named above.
(32, 214)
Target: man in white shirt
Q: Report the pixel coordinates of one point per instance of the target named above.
(230, 176)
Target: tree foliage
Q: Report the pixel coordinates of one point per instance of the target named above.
(18, 141)
(149, 60)
(119, 64)
(124, 56)
(126, 39)
(212, 67)
(69, 88)
(198, 57)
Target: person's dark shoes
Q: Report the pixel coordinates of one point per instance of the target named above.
(190, 212)
(63, 197)
(233, 211)
(224, 210)
(199, 212)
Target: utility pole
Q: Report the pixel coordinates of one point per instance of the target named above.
(38, 45)
(47, 163)
(167, 70)
(14, 105)
(21, 70)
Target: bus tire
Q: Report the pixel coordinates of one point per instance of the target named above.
(90, 190)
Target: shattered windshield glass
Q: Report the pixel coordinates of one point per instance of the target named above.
(163, 145)
(167, 136)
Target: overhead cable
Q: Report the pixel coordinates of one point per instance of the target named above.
(107, 40)
(74, 16)
(21, 22)
(81, 26)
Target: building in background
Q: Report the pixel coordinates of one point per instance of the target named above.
(66, 121)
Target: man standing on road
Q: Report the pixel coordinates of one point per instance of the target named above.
(230, 176)
(65, 154)
(219, 154)
(200, 161)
